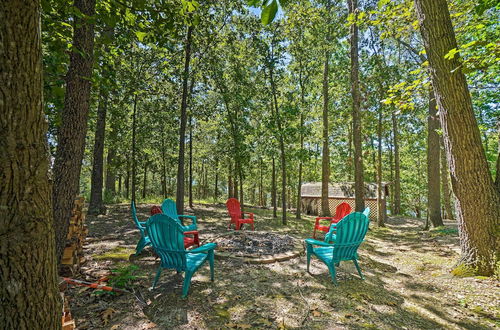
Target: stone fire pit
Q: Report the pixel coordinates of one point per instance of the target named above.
(257, 247)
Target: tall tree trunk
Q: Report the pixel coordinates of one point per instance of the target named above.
(448, 210)
(298, 212)
(190, 162)
(356, 112)
(96, 184)
(497, 179)
(119, 184)
(134, 151)
(71, 135)
(216, 185)
(182, 129)
(397, 167)
(380, 192)
(230, 193)
(478, 206)
(163, 166)
(145, 179)
(273, 191)
(433, 175)
(28, 272)
(325, 164)
(111, 172)
(281, 140)
(261, 184)
(242, 201)
(127, 180)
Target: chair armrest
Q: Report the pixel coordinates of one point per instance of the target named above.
(204, 248)
(191, 232)
(311, 241)
(142, 223)
(250, 213)
(192, 217)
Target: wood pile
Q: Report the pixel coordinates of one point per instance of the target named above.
(77, 231)
(68, 323)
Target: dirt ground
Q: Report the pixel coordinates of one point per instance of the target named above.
(408, 282)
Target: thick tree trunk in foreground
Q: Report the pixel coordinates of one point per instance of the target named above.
(433, 173)
(478, 200)
(356, 113)
(96, 204)
(325, 163)
(71, 135)
(28, 272)
(448, 209)
(182, 130)
(397, 168)
(497, 180)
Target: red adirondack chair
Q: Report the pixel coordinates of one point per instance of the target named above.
(237, 217)
(341, 211)
(190, 237)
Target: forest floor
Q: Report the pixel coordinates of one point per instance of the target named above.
(408, 282)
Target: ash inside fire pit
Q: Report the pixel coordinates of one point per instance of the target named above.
(255, 244)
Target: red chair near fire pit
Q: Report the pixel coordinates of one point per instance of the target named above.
(237, 217)
(341, 211)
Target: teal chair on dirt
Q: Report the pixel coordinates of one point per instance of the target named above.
(144, 241)
(191, 238)
(167, 238)
(169, 208)
(346, 235)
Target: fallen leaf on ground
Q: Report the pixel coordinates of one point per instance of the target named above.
(106, 315)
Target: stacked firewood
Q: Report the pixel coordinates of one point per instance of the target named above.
(68, 323)
(77, 231)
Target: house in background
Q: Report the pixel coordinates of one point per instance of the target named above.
(310, 194)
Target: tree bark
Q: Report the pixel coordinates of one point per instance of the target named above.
(397, 167)
(273, 191)
(190, 162)
(433, 175)
(380, 191)
(478, 200)
(216, 185)
(182, 129)
(111, 172)
(448, 210)
(71, 135)
(96, 203)
(145, 179)
(298, 212)
(28, 272)
(325, 163)
(497, 179)
(356, 112)
(230, 192)
(134, 152)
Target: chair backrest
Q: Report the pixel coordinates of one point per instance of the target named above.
(342, 210)
(169, 208)
(234, 209)
(134, 215)
(351, 231)
(367, 213)
(167, 239)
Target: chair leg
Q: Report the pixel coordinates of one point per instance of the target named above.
(211, 263)
(237, 226)
(253, 227)
(140, 246)
(359, 269)
(333, 273)
(309, 252)
(157, 277)
(187, 283)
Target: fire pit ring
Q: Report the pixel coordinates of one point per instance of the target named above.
(257, 247)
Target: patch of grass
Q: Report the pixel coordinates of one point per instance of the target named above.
(464, 270)
(118, 253)
(443, 231)
(123, 275)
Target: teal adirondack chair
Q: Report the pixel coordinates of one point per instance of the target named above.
(144, 241)
(347, 235)
(169, 208)
(167, 238)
